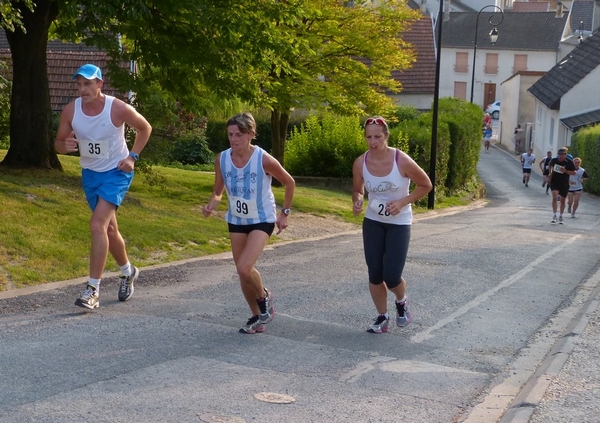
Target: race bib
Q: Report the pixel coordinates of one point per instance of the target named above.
(558, 168)
(94, 149)
(379, 208)
(242, 208)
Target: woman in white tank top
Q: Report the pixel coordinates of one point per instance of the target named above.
(386, 173)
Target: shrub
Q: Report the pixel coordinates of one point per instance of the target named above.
(464, 125)
(5, 89)
(585, 143)
(325, 146)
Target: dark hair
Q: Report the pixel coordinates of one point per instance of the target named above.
(245, 121)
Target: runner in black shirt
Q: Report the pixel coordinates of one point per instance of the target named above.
(560, 168)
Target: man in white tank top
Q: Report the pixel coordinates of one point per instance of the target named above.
(94, 126)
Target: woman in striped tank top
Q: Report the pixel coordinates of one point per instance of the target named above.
(246, 172)
(386, 173)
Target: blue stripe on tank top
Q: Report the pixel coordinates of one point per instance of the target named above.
(262, 216)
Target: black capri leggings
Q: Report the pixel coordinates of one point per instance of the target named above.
(386, 247)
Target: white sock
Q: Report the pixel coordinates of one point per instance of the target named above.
(126, 269)
(95, 283)
(403, 300)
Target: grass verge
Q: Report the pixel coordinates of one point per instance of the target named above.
(44, 235)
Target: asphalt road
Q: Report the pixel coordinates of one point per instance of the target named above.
(492, 288)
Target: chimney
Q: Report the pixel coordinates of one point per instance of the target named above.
(446, 10)
(559, 10)
(596, 16)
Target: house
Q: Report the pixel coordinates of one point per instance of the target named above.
(565, 98)
(527, 41)
(63, 60)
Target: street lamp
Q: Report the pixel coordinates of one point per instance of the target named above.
(435, 108)
(493, 38)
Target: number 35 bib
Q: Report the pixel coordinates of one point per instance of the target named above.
(94, 149)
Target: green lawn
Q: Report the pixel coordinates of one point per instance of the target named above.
(44, 235)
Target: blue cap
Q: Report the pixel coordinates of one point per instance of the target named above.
(89, 72)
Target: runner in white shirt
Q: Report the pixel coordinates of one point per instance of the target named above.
(94, 126)
(246, 171)
(576, 186)
(527, 160)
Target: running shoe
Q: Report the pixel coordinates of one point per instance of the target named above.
(553, 220)
(404, 316)
(569, 209)
(89, 298)
(253, 325)
(543, 184)
(267, 311)
(126, 284)
(527, 184)
(560, 220)
(523, 179)
(573, 215)
(380, 325)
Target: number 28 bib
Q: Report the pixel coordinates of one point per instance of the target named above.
(379, 208)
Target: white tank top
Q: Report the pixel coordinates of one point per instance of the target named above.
(101, 144)
(249, 193)
(383, 189)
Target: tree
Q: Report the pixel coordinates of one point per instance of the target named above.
(30, 114)
(339, 57)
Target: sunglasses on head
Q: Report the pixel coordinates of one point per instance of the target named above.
(375, 121)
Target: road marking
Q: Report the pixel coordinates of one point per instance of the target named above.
(427, 334)
(392, 365)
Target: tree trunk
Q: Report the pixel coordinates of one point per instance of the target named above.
(279, 124)
(31, 143)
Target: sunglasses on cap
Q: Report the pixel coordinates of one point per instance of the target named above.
(376, 121)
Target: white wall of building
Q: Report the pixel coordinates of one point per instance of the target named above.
(548, 132)
(536, 61)
(420, 101)
(580, 99)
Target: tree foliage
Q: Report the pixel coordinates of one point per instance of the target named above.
(282, 54)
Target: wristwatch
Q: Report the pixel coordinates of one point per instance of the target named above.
(286, 211)
(135, 156)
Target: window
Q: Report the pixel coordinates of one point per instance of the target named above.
(462, 62)
(460, 90)
(520, 63)
(491, 63)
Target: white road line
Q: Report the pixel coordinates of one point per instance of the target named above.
(427, 334)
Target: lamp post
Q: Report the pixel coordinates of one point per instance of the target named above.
(435, 108)
(493, 38)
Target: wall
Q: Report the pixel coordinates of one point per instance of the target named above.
(578, 99)
(536, 61)
(420, 101)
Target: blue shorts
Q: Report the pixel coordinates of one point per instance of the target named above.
(111, 186)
